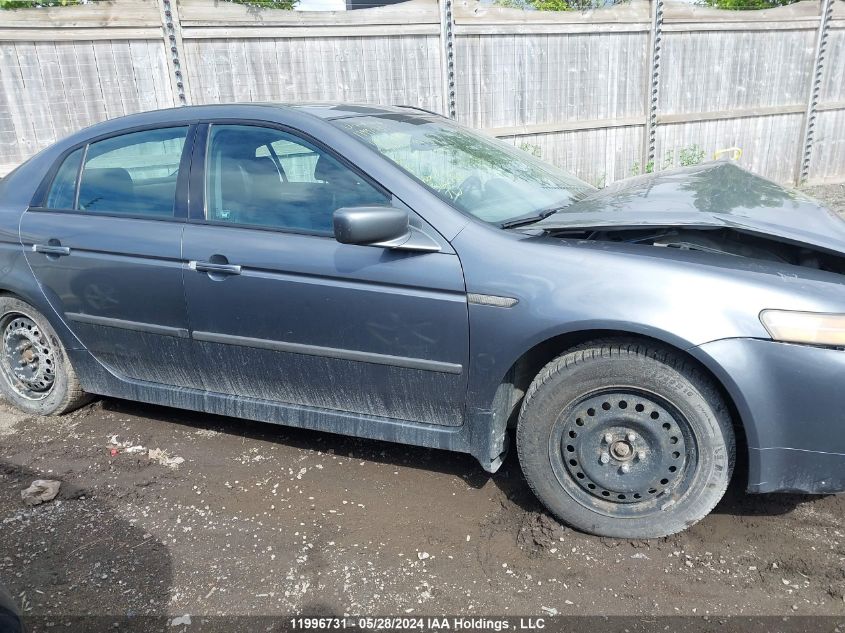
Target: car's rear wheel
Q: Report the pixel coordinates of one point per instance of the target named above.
(625, 439)
(35, 373)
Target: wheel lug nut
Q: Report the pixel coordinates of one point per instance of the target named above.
(604, 458)
(632, 437)
(640, 455)
(625, 468)
(608, 438)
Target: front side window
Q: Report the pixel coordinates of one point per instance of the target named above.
(257, 176)
(477, 174)
(63, 190)
(133, 173)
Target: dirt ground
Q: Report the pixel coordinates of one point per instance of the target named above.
(260, 519)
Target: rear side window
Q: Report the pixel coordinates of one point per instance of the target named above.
(133, 173)
(63, 190)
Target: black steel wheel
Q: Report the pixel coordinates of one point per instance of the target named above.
(620, 451)
(35, 373)
(27, 357)
(625, 439)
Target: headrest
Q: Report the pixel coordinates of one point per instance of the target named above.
(263, 181)
(106, 189)
(328, 170)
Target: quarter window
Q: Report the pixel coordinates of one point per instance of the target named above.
(63, 189)
(259, 176)
(133, 173)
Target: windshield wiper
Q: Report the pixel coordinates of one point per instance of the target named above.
(510, 224)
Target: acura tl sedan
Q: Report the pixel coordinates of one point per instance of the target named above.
(386, 273)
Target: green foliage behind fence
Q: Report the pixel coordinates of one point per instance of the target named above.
(583, 5)
(738, 5)
(539, 5)
(30, 4)
(287, 5)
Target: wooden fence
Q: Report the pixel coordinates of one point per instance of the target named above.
(604, 94)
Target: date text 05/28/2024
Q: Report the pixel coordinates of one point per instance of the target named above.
(405, 623)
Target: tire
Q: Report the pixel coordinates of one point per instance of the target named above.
(625, 439)
(35, 373)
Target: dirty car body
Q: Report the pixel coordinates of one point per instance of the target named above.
(434, 338)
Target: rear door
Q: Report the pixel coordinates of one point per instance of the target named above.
(105, 246)
(281, 311)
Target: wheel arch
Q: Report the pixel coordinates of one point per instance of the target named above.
(7, 291)
(524, 369)
(39, 301)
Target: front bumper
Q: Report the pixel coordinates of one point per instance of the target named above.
(791, 401)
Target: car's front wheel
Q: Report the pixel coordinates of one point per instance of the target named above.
(35, 373)
(625, 439)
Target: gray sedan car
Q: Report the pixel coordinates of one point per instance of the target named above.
(386, 273)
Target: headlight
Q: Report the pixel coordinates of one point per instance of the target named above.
(812, 328)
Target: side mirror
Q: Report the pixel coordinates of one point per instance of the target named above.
(375, 226)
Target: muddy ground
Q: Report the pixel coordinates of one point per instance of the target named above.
(260, 519)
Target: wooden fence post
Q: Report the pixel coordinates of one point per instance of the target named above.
(175, 51)
(652, 84)
(447, 57)
(803, 171)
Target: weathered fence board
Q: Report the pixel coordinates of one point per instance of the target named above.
(126, 19)
(364, 69)
(833, 77)
(382, 55)
(778, 75)
(827, 159)
(572, 87)
(52, 89)
(827, 162)
(533, 79)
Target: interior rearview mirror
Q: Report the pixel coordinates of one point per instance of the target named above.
(374, 226)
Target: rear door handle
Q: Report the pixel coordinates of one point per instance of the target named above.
(210, 267)
(51, 249)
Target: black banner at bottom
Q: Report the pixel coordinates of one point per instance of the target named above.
(434, 624)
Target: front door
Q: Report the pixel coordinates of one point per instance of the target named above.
(281, 311)
(105, 248)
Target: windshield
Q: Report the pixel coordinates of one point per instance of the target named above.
(479, 175)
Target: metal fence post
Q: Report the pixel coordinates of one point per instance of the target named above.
(815, 90)
(175, 50)
(653, 84)
(447, 57)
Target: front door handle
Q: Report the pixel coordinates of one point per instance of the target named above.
(211, 267)
(51, 249)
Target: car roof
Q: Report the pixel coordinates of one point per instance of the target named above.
(319, 110)
(246, 110)
(331, 111)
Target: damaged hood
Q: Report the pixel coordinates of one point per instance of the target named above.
(713, 195)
